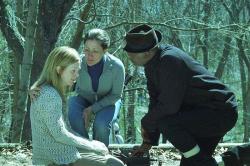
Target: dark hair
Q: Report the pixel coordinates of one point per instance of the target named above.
(99, 35)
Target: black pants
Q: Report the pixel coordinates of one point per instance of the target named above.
(201, 126)
(207, 146)
(237, 156)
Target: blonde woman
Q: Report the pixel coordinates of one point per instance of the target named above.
(52, 142)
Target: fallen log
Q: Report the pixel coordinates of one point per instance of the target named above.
(127, 146)
(166, 146)
(10, 145)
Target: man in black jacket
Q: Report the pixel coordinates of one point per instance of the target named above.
(188, 105)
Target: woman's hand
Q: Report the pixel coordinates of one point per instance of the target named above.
(87, 114)
(34, 93)
(100, 147)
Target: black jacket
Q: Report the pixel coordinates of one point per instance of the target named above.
(176, 82)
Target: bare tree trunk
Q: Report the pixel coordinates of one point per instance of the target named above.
(174, 37)
(207, 9)
(234, 10)
(50, 21)
(246, 115)
(15, 65)
(245, 90)
(176, 40)
(19, 15)
(224, 57)
(243, 81)
(203, 43)
(19, 113)
(15, 69)
(136, 15)
(14, 42)
(77, 37)
(131, 134)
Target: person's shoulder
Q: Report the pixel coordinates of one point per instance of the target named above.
(171, 57)
(114, 60)
(47, 96)
(48, 91)
(112, 57)
(170, 52)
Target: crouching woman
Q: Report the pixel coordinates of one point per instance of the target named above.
(52, 142)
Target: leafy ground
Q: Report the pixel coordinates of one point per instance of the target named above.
(21, 156)
(17, 156)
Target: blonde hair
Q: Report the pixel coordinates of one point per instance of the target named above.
(59, 57)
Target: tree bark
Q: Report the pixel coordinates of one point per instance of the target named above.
(50, 21)
(234, 11)
(19, 113)
(174, 37)
(19, 15)
(14, 42)
(224, 57)
(245, 91)
(77, 37)
(131, 134)
(207, 10)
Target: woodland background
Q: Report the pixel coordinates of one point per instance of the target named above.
(215, 32)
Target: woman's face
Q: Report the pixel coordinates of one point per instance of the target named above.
(70, 73)
(93, 52)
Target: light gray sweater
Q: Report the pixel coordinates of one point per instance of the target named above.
(110, 86)
(51, 141)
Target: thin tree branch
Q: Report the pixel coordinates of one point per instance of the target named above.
(227, 8)
(241, 5)
(206, 27)
(81, 21)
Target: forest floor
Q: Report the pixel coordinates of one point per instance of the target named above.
(21, 156)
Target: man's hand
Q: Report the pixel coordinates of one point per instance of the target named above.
(141, 150)
(150, 137)
(145, 146)
(87, 114)
(145, 135)
(34, 93)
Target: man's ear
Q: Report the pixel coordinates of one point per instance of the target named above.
(58, 69)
